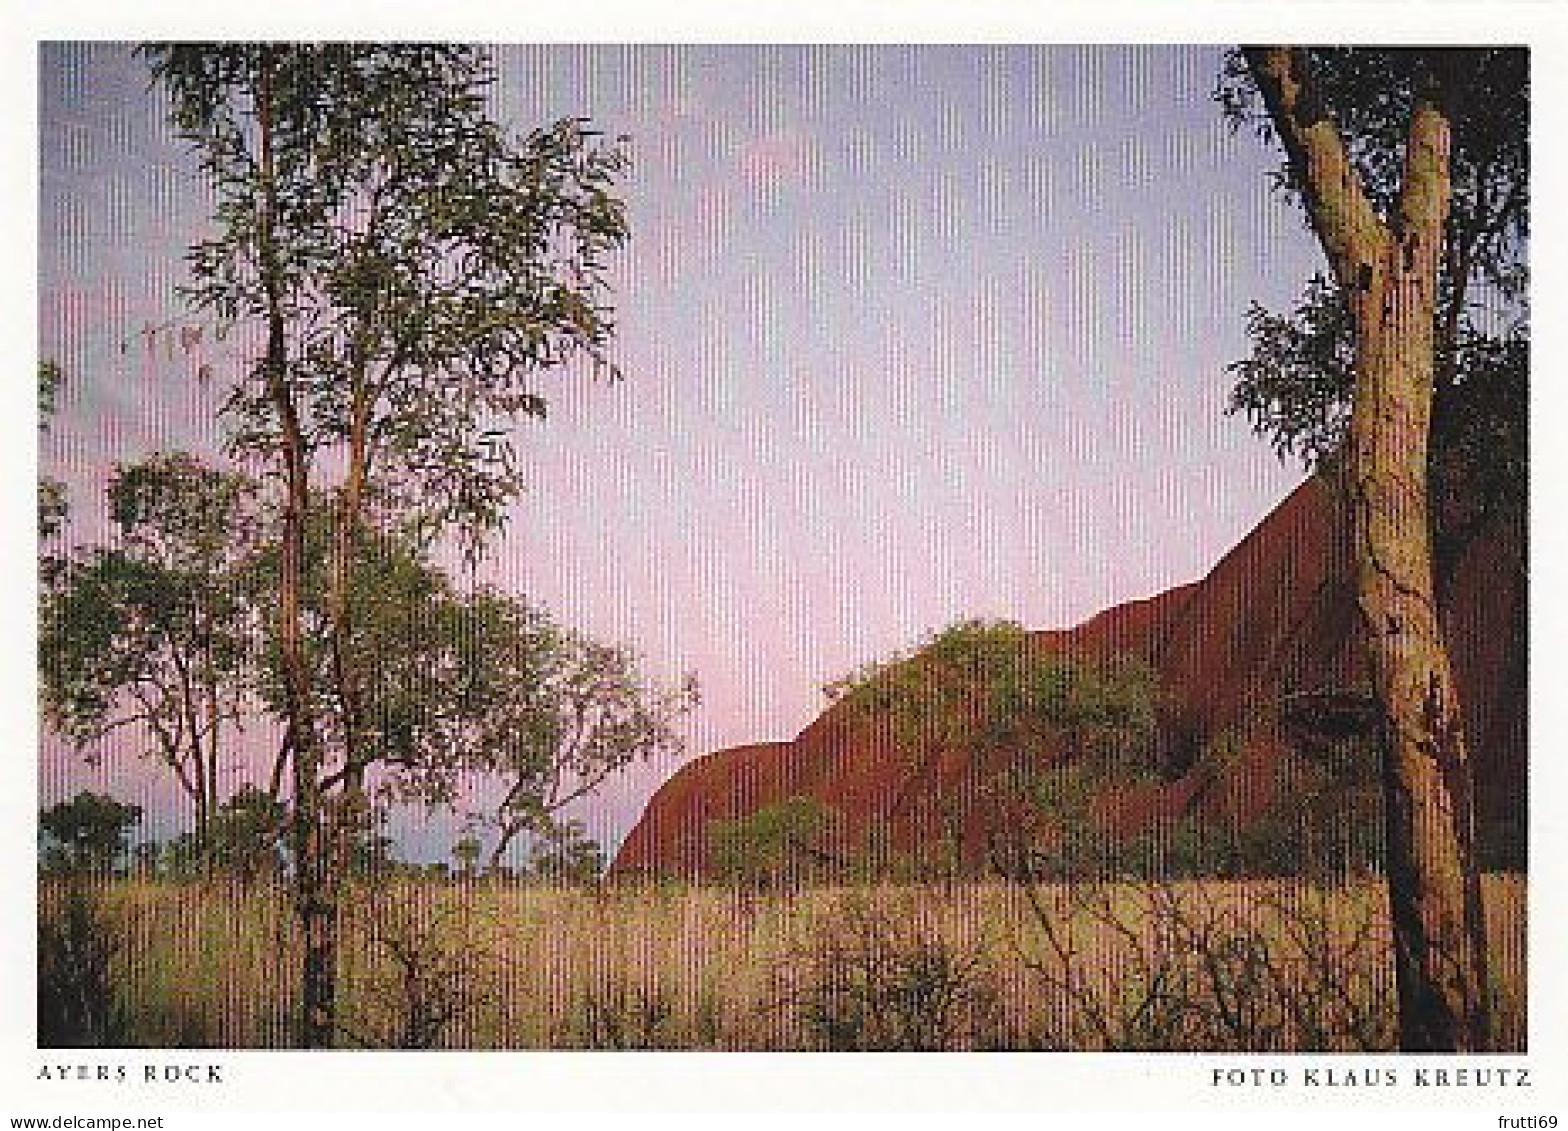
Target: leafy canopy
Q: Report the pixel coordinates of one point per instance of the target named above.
(775, 843)
(1295, 385)
(90, 832)
(428, 262)
(986, 687)
(157, 630)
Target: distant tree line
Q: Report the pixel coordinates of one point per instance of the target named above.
(90, 837)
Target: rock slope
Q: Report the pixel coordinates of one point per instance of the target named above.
(1272, 625)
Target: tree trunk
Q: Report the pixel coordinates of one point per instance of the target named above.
(314, 890)
(187, 725)
(1390, 274)
(509, 832)
(350, 811)
(1434, 888)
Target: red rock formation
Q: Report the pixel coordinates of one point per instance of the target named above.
(1272, 623)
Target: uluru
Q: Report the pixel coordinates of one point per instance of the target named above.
(1270, 637)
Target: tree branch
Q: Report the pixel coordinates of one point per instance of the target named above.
(1336, 202)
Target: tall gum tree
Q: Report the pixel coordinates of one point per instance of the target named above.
(152, 634)
(408, 265)
(1387, 265)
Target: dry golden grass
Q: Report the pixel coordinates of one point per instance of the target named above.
(1198, 965)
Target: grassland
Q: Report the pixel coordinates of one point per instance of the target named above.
(1266, 965)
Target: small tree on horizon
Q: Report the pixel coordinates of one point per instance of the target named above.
(466, 852)
(90, 833)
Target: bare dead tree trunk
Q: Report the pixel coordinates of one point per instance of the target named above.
(1389, 273)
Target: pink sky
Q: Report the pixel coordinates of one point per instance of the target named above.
(909, 335)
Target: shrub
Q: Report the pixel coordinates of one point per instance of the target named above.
(1174, 967)
(777, 846)
(615, 1014)
(430, 968)
(565, 854)
(875, 980)
(78, 942)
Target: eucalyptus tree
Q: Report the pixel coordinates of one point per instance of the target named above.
(154, 635)
(407, 267)
(1297, 382)
(984, 690)
(475, 694)
(562, 714)
(480, 689)
(1411, 166)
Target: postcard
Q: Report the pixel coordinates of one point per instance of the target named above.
(620, 565)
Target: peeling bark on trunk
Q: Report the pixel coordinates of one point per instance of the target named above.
(1390, 274)
(1434, 887)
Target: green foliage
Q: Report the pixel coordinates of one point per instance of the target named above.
(566, 854)
(49, 380)
(417, 697)
(168, 625)
(429, 970)
(986, 688)
(1295, 385)
(147, 859)
(157, 631)
(179, 859)
(1192, 847)
(466, 854)
(90, 833)
(1326, 821)
(1033, 725)
(775, 845)
(473, 683)
(51, 493)
(875, 980)
(245, 834)
(374, 856)
(1075, 845)
(413, 267)
(555, 713)
(429, 261)
(618, 1014)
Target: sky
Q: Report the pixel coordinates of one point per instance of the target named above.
(908, 335)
